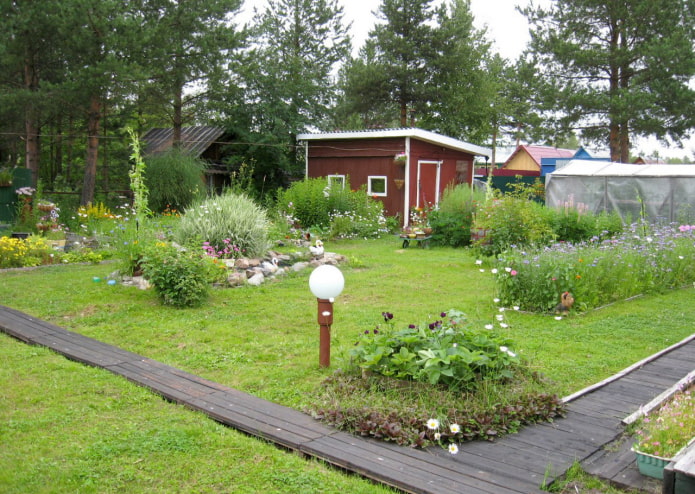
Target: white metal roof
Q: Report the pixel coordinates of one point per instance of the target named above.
(423, 135)
(607, 168)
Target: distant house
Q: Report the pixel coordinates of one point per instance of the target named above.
(526, 160)
(204, 142)
(427, 162)
(648, 161)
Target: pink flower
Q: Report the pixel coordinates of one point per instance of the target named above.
(513, 272)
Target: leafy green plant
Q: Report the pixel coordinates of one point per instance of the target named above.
(513, 219)
(174, 180)
(447, 352)
(452, 220)
(180, 278)
(305, 203)
(227, 219)
(137, 178)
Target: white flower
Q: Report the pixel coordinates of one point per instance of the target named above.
(501, 309)
(511, 354)
(482, 270)
(504, 325)
(499, 317)
(453, 449)
(503, 349)
(493, 270)
(516, 307)
(496, 300)
(488, 326)
(478, 262)
(455, 428)
(437, 436)
(433, 424)
(558, 318)
(507, 269)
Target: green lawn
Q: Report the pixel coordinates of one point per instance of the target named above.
(71, 428)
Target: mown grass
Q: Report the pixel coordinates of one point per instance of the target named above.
(263, 341)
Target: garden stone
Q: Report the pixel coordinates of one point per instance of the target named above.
(236, 278)
(299, 266)
(242, 263)
(256, 280)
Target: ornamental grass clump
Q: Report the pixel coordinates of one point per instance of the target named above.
(643, 259)
(227, 219)
(670, 428)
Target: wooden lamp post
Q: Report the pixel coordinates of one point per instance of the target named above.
(326, 282)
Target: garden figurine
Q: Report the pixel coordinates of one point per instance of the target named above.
(566, 302)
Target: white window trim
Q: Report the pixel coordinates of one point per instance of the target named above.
(369, 185)
(341, 177)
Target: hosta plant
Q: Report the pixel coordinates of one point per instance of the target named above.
(446, 352)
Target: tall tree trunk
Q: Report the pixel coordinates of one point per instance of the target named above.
(178, 116)
(31, 126)
(90, 168)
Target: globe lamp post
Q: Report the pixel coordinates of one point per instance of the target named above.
(326, 283)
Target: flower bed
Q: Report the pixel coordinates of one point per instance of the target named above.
(665, 432)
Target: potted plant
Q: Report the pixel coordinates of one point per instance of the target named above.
(400, 158)
(662, 434)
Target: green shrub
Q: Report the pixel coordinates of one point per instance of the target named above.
(305, 203)
(574, 223)
(513, 220)
(180, 278)
(18, 253)
(446, 352)
(232, 218)
(174, 180)
(337, 211)
(451, 222)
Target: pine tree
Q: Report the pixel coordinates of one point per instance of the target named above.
(617, 69)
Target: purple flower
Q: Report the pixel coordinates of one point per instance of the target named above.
(443, 314)
(387, 316)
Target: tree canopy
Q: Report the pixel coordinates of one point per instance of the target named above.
(616, 69)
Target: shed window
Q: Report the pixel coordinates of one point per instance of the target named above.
(337, 181)
(376, 186)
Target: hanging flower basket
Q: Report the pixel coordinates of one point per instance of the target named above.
(400, 159)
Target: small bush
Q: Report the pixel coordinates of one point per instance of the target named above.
(174, 180)
(451, 222)
(337, 211)
(446, 352)
(305, 203)
(180, 278)
(514, 219)
(229, 218)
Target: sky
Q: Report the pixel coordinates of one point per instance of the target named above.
(507, 30)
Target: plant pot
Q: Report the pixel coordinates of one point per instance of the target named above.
(650, 465)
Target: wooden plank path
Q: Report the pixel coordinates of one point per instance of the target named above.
(516, 464)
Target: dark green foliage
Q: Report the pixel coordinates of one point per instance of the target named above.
(180, 278)
(616, 70)
(306, 203)
(174, 181)
(447, 352)
(451, 222)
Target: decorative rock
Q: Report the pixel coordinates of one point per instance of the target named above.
(299, 266)
(241, 263)
(236, 278)
(256, 280)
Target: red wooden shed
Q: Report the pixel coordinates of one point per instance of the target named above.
(404, 168)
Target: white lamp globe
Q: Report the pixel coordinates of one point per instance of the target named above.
(326, 282)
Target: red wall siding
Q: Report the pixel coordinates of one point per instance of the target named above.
(361, 158)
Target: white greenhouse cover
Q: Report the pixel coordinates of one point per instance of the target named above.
(660, 192)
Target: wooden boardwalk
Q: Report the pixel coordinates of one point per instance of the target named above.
(516, 464)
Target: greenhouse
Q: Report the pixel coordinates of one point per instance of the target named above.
(659, 193)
